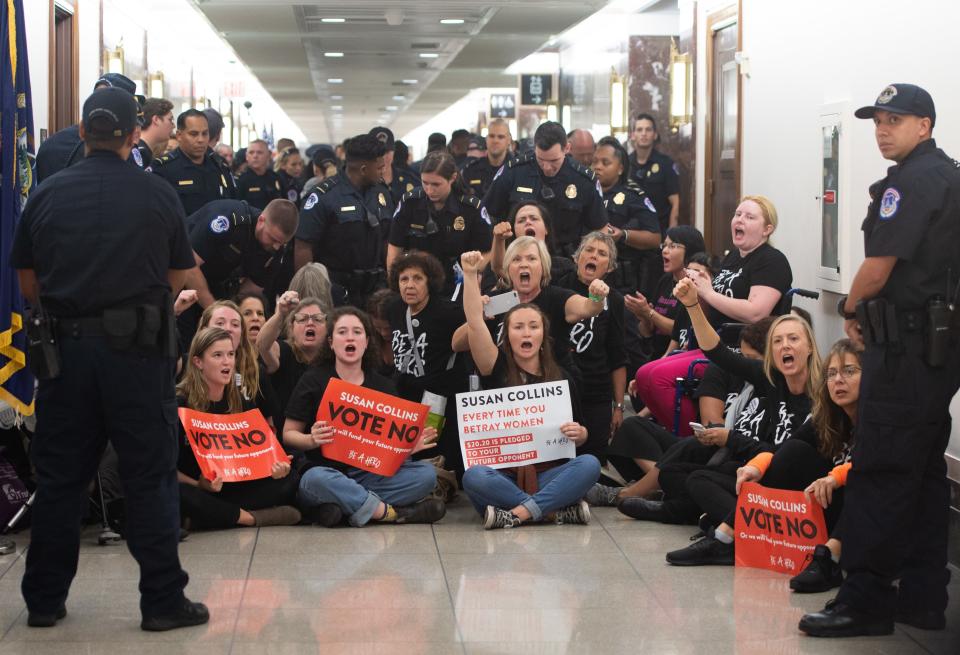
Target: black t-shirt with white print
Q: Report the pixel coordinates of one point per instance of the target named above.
(765, 267)
(597, 345)
(552, 301)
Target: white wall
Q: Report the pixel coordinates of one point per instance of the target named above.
(36, 16)
(805, 55)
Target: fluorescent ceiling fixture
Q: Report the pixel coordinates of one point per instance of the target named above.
(391, 108)
(335, 80)
(333, 54)
(537, 62)
(428, 55)
(394, 97)
(451, 21)
(333, 20)
(336, 107)
(410, 81)
(336, 97)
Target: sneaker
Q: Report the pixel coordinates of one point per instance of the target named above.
(821, 574)
(282, 515)
(600, 495)
(495, 518)
(325, 514)
(187, 614)
(576, 514)
(642, 509)
(705, 552)
(428, 510)
(41, 620)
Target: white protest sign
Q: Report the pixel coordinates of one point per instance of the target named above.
(515, 426)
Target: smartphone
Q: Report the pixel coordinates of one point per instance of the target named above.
(501, 303)
(697, 428)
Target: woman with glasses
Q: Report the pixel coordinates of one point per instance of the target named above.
(304, 322)
(290, 172)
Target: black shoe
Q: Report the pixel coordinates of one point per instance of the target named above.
(821, 574)
(841, 620)
(325, 514)
(707, 551)
(922, 619)
(429, 510)
(40, 620)
(642, 509)
(187, 614)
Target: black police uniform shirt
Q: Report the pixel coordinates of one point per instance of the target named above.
(629, 208)
(573, 197)
(597, 345)
(65, 148)
(346, 225)
(223, 233)
(259, 190)
(101, 234)
(478, 175)
(913, 216)
(765, 266)
(659, 177)
(290, 187)
(404, 181)
(446, 233)
(142, 155)
(433, 329)
(305, 401)
(194, 184)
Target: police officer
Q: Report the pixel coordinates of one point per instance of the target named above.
(655, 172)
(901, 305)
(345, 220)
(568, 189)
(100, 248)
(440, 218)
(478, 173)
(259, 184)
(399, 179)
(195, 173)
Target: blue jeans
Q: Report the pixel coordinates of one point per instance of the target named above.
(358, 493)
(560, 486)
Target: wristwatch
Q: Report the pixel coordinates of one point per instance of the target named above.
(843, 312)
(618, 406)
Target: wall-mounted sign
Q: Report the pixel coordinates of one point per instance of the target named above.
(503, 105)
(536, 89)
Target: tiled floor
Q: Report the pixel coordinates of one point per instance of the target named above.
(448, 588)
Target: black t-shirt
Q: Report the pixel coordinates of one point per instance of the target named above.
(597, 345)
(305, 401)
(186, 460)
(433, 329)
(666, 305)
(288, 373)
(552, 301)
(683, 332)
(766, 267)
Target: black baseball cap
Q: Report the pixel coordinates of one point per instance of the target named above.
(110, 111)
(116, 80)
(384, 135)
(902, 99)
(477, 142)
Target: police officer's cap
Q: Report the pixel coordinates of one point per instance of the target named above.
(477, 142)
(116, 80)
(902, 99)
(110, 112)
(384, 135)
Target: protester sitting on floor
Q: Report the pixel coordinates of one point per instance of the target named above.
(532, 219)
(331, 490)
(253, 308)
(785, 378)
(816, 458)
(507, 498)
(208, 386)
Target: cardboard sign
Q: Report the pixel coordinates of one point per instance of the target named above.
(515, 426)
(238, 447)
(374, 431)
(776, 529)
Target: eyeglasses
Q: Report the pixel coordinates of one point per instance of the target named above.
(846, 372)
(301, 319)
(671, 246)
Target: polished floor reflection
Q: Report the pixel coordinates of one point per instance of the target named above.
(448, 588)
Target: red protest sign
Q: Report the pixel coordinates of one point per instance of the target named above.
(236, 447)
(776, 528)
(374, 431)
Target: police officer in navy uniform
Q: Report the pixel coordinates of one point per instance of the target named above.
(100, 249)
(259, 184)
(900, 304)
(193, 170)
(439, 217)
(399, 179)
(345, 220)
(478, 173)
(567, 188)
(655, 172)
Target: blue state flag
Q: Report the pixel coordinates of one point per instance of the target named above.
(16, 181)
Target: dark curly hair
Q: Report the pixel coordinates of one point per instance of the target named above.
(369, 355)
(426, 262)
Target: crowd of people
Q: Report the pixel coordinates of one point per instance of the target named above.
(352, 262)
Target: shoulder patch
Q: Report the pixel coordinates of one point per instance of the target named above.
(889, 203)
(522, 159)
(311, 201)
(328, 184)
(471, 200)
(583, 170)
(416, 192)
(220, 225)
(649, 204)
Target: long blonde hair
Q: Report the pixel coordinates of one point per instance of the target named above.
(193, 387)
(246, 364)
(814, 365)
(834, 427)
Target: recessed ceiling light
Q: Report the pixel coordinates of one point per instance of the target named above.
(451, 21)
(336, 97)
(391, 108)
(428, 55)
(333, 20)
(334, 80)
(333, 54)
(336, 107)
(409, 81)
(399, 97)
